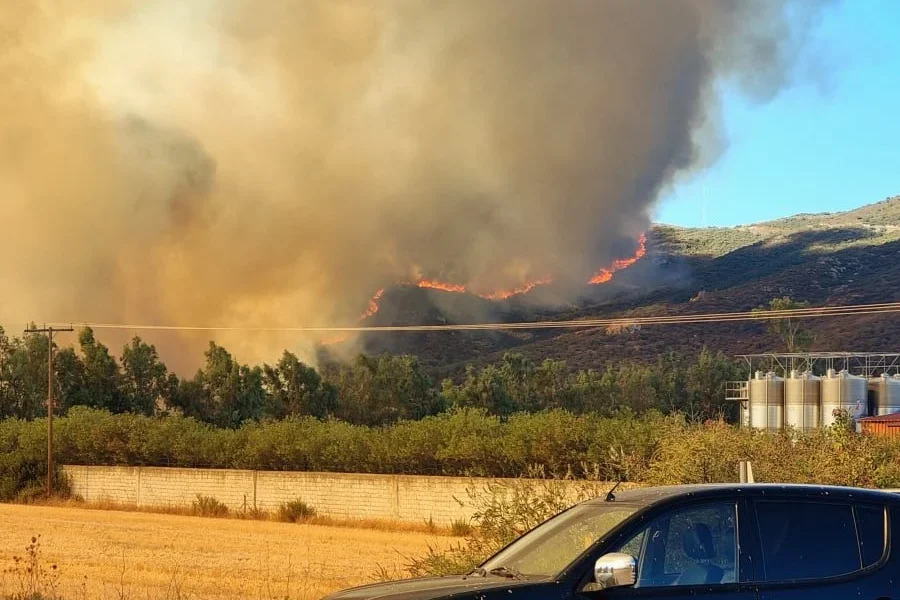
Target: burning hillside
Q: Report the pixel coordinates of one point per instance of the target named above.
(256, 164)
(603, 276)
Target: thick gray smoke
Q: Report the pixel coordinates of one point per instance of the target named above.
(232, 162)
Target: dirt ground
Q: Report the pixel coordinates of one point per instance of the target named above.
(112, 554)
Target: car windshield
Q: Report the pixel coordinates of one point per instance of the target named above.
(552, 546)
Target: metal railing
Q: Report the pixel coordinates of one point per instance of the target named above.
(737, 390)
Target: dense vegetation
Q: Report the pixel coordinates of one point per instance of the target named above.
(651, 448)
(369, 391)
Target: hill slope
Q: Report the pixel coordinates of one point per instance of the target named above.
(826, 259)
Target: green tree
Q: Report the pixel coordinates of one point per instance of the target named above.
(7, 393)
(25, 376)
(224, 392)
(586, 393)
(706, 384)
(145, 381)
(69, 381)
(296, 389)
(672, 392)
(552, 387)
(487, 389)
(375, 391)
(102, 377)
(793, 334)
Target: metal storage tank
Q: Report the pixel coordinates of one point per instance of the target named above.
(802, 400)
(843, 391)
(766, 401)
(887, 394)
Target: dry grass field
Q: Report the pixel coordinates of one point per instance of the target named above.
(112, 554)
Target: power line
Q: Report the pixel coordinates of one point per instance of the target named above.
(765, 315)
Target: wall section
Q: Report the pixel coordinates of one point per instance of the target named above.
(407, 498)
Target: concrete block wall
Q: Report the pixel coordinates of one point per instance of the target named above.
(407, 498)
(179, 487)
(119, 484)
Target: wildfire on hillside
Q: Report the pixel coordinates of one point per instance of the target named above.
(373, 305)
(602, 276)
(523, 289)
(605, 274)
(434, 284)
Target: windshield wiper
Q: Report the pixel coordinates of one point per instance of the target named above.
(505, 572)
(477, 571)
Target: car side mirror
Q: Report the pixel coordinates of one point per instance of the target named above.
(614, 570)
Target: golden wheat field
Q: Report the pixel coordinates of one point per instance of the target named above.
(113, 554)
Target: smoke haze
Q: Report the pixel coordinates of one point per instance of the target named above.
(239, 163)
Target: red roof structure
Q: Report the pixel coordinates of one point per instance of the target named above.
(886, 425)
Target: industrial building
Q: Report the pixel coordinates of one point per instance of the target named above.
(806, 390)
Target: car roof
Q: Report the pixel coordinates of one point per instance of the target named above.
(647, 496)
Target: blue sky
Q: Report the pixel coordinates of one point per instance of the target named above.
(827, 142)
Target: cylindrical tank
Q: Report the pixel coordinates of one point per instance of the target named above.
(886, 392)
(802, 399)
(766, 401)
(845, 392)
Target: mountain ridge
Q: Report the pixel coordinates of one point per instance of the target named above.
(830, 258)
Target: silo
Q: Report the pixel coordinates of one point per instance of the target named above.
(886, 392)
(891, 404)
(843, 391)
(802, 399)
(766, 401)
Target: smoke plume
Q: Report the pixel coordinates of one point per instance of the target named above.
(230, 162)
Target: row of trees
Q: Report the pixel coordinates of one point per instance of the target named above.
(368, 391)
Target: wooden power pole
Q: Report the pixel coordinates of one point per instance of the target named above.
(49, 331)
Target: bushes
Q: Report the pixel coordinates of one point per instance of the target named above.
(465, 442)
(461, 528)
(295, 511)
(836, 456)
(459, 442)
(207, 506)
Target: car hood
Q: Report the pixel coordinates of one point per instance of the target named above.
(430, 588)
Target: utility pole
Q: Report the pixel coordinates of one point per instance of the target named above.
(49, 331)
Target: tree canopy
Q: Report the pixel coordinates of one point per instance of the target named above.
(371, 390)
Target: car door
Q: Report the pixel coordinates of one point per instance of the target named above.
(693, 550)
(822, 549)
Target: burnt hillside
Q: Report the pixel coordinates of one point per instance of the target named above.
(826, 259)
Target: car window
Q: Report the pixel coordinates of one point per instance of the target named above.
(688, 546)
(634, 545)
(807, 540)
(870, 527)
(550, 547)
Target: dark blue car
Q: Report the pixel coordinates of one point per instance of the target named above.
(745, 542)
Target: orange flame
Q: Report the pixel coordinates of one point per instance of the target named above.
(434, 284)
(334, 340)
(605, 274)
(371, 310)
(524, 289)
(373, 305)
(602, 276)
